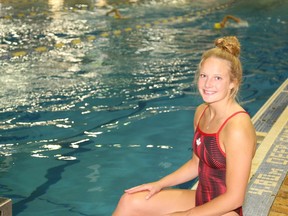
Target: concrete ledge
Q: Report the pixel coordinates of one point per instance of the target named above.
(269, 166)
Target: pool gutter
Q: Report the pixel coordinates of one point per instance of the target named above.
(270, 164)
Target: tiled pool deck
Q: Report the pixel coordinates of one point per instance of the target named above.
(268, 187)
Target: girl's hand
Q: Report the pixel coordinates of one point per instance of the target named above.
(153, 188)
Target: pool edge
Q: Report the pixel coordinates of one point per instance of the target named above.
(269, 167)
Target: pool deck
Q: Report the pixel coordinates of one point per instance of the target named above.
(268, 186)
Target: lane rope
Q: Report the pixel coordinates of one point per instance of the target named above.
(105, 34)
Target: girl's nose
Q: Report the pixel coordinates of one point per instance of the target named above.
(208, 83)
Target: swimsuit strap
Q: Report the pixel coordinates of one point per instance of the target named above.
(201, 116)
(224, 123)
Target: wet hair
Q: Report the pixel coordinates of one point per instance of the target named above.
(226, 48)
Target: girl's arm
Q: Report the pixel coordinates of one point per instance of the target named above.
(185, 173)
(189, 170)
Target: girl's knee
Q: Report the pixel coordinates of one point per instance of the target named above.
(129, 204)
(121, 206)
(133, 201)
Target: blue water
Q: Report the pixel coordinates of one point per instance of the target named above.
(79, 123)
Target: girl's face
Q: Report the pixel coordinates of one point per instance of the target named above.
(214, 82)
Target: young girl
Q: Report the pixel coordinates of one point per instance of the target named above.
(223, 148)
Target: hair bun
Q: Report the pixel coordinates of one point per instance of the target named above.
(229, 44)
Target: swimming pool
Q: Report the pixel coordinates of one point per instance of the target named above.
(92, 105)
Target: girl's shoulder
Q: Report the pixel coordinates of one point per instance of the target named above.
(239, 123)
(200, 109)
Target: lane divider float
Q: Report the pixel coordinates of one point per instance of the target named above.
(105, 34)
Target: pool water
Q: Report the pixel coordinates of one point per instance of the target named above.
(92, 105)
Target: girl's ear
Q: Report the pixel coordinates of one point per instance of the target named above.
(232, 85)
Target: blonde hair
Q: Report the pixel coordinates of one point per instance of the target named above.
(226, 48)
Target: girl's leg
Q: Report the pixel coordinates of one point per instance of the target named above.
(164, 202)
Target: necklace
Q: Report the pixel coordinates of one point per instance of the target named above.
(216, 118)
(208, 124)
(213, 119)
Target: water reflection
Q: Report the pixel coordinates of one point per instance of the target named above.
(55, 7)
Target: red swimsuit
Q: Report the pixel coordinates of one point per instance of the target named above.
(212, 165)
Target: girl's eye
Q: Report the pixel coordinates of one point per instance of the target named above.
(218, 78)
(202, 75)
